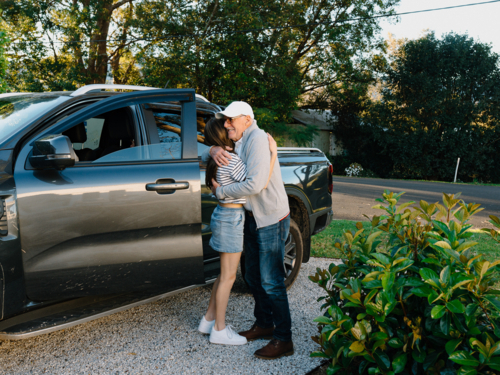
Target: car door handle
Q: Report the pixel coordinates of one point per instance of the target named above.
(168, 186)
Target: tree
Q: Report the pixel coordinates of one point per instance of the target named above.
(253, 50)
(60, 45)
(270, 53)
(440, 101)
(3, 61)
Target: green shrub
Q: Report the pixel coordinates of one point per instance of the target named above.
(419, 303)
(339, 163)
(368, 173)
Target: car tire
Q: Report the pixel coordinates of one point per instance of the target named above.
(294, 251)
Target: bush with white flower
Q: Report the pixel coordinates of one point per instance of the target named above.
(353, 170)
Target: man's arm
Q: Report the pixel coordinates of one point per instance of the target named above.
(220, 156)
(258, 166)
(205, 155)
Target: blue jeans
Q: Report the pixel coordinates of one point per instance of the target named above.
(265, 274)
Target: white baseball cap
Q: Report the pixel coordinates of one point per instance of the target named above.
(236, 109)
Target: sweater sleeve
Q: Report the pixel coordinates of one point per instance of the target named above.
(205, 155)
(258, 165)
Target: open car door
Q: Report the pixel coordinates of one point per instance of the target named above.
(126, 217)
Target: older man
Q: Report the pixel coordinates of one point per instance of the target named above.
(267, 224)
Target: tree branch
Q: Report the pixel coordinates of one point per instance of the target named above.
(120, 3)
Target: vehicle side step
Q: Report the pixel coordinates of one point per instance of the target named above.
(70, 313)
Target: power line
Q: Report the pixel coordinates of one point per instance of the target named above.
(243, 31)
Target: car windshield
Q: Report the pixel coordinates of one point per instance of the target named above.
(17, 111)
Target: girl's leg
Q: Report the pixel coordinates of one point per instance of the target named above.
(229, 266)
(210, 315)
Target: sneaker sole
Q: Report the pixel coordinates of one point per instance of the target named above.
(224, 343)
(287, 354)
(261, 338)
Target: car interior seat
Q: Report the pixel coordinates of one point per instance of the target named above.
(77, 134)
(117, 132)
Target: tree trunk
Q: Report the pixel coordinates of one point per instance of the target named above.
(98, 59)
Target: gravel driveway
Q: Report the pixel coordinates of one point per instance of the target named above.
(161, 338)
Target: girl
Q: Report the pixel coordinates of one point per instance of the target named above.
(227, 223)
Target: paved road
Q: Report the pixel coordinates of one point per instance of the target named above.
(353, 197)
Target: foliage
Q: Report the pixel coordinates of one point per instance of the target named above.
(339, 163)
(368, 173)
(233, 50)
(354, 170)
(322, 244)
(61, 45)
(3, 62)
(440, 101)
(422, 303)
(495, 234)
(272, 123)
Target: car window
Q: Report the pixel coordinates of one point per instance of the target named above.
(17, 111)
(93, 128)
(96, 138)
(168, 125)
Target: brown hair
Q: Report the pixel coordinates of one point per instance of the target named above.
(215, 135)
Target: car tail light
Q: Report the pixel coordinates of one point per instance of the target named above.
(330, 178)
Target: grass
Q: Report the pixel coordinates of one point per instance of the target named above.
(322, 243)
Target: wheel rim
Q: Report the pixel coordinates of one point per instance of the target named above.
(290, 255)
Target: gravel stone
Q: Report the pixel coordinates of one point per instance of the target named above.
(162, 338)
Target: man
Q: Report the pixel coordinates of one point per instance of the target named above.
(267, 224)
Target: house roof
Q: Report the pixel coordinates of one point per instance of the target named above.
(321, 119)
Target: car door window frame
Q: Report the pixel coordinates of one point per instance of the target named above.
(186, 97)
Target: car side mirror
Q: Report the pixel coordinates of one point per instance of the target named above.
(53, 151)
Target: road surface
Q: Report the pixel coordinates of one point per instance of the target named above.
(353, 197)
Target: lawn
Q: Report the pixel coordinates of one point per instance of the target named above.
(322, 243)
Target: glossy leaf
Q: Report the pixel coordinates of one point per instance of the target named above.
(438, 311)
(456, 307)
(322, 319)
(388, 280)
(357, 347)
(494, 301)
(464, 358)
(382, 360)
(421, 291)
(395, 343)
(428, 274)
(452, 345)
(466, 371)
(399, 363)
(445, 323)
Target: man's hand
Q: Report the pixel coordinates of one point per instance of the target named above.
(273, 147)
(220, 155)
(215, 185)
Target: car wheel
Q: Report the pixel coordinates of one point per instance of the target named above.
(294, 251)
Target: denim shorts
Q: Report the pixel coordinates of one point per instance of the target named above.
(227, 229)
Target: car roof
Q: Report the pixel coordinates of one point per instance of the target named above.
(92, 91)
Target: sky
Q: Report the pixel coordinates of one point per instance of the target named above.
(479, 22)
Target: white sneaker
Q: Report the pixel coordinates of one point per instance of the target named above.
(227, 337)
(206, 326)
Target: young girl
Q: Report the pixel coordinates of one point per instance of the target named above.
(227, 223)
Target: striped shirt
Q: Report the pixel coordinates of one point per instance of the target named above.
(236, 171)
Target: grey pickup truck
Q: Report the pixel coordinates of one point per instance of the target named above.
(103, 205)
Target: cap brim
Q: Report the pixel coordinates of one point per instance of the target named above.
(228, 112)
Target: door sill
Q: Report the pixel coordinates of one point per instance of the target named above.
(71, 313)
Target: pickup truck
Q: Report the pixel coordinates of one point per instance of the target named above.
(103, 204)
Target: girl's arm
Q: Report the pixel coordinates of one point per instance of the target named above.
(273, 147)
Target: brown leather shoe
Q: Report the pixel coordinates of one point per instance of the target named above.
(256, 333)
(275, 349)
